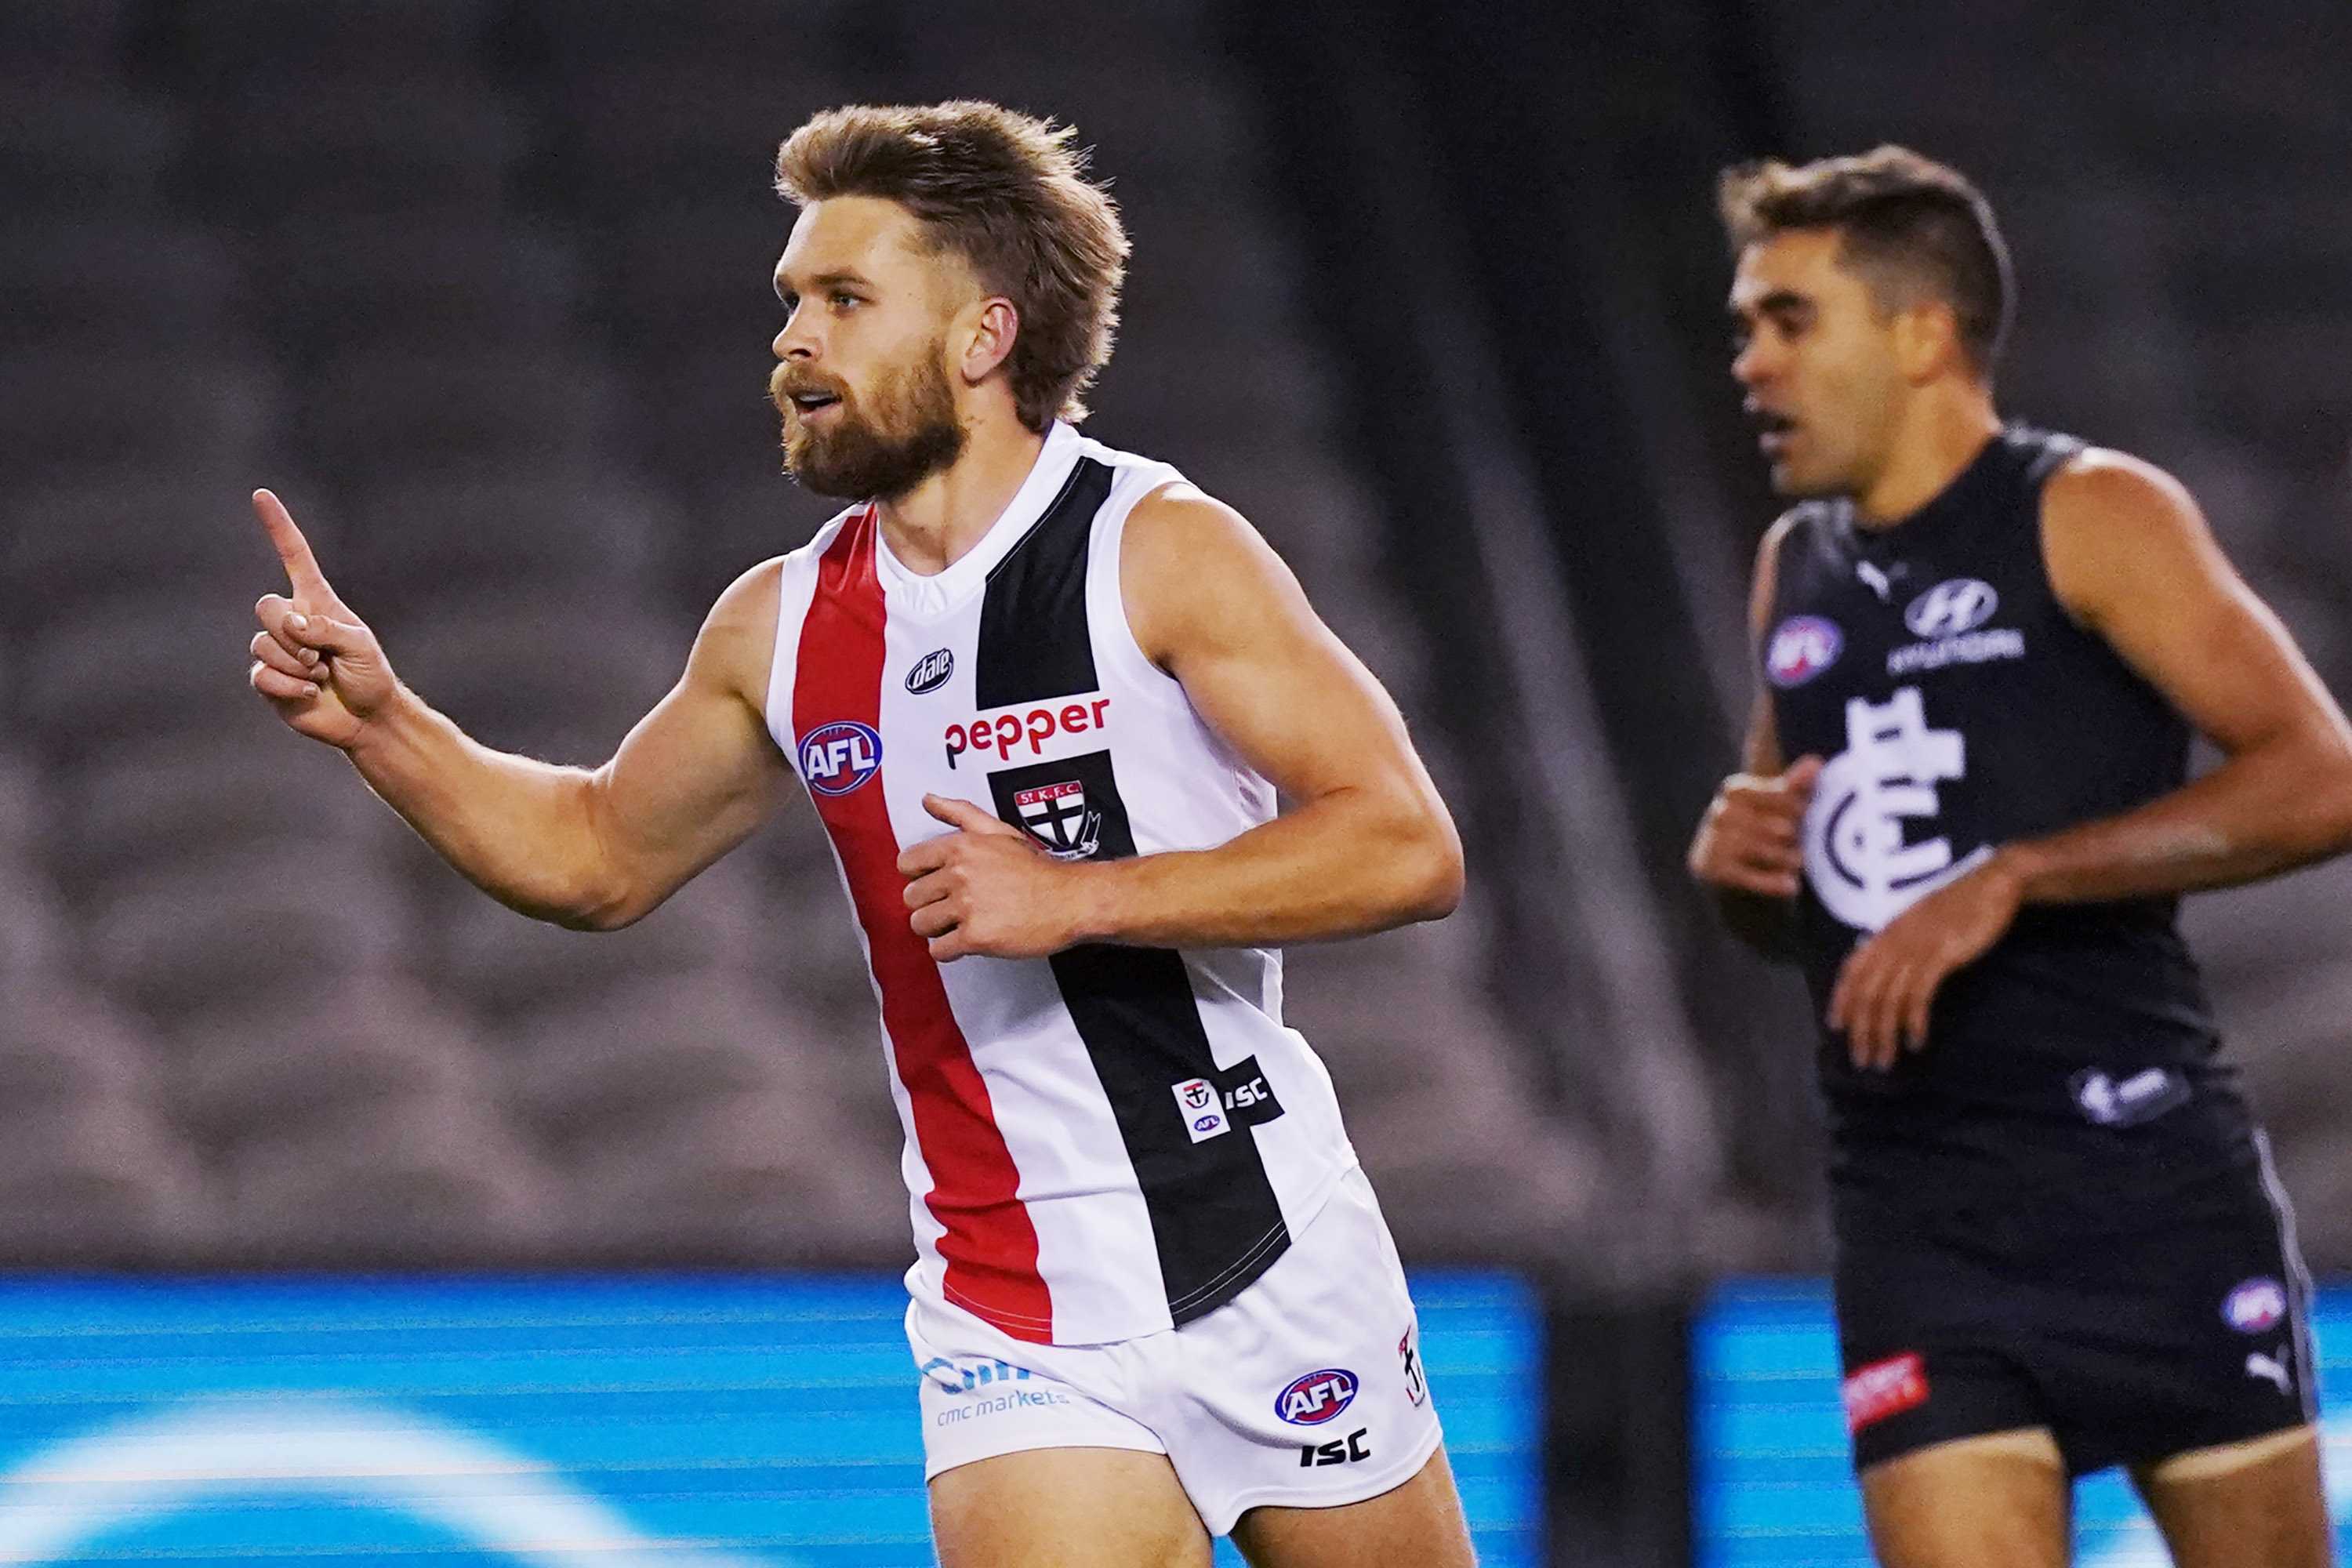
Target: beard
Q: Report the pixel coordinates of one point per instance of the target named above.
(913, 434)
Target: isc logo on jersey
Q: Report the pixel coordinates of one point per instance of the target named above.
(1802, 648)
(1318, 1397)
(836, 758)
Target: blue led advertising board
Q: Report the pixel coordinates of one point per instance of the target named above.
(722, 1420)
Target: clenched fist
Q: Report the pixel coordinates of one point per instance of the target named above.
(1752, 838)
(315, 661)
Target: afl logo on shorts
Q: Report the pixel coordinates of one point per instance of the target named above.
(836, 758)
(1802, 648)
(1318, 1397)
(2254, 1306)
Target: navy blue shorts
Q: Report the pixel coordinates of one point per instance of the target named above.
(2170, 1334)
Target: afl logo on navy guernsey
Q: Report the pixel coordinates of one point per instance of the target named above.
(930, 671)
(836, 758)
(1952, 606)
(1802, 648)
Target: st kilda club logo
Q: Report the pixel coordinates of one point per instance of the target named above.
(1057, 818)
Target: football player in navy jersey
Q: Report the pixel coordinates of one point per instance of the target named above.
(1965, 808)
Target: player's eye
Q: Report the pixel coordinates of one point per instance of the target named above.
(790, 302)
(844, 299)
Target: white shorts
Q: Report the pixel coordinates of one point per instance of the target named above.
(1305, 1391)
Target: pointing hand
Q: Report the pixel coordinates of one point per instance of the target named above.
(316, 662)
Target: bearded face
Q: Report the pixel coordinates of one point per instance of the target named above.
(877, 444)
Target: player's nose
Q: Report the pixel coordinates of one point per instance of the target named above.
(797, 338)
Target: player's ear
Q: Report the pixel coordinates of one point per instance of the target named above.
(1928, 340)
(989, 332)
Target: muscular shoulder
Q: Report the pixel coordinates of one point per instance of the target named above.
(738, 639)
(2098, 485)
(2106, 514)
(1193, 569)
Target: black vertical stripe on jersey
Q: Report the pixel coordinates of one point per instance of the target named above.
(1215, 1222)
(1036, 602)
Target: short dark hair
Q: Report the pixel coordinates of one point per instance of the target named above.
(1007, 192)
(1905, 223)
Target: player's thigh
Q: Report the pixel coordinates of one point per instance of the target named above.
(1416, 1525)
(1067, 1508)
(2001, 1498)
(2257, 1504)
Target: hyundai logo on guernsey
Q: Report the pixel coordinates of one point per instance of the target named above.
(836, 758)
(1318, 1397)
(931, 671)
(2255, 1305)
(1954, 606)
(1802, 648)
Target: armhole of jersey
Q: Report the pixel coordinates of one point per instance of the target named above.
(795, 591)
(1760, 638)
(1107, 601)
(2055, 459)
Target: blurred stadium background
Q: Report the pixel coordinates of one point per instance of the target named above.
(298, 1126)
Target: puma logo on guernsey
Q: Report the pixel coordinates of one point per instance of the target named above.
(1006, 732)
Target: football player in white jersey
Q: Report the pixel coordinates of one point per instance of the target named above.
(950, 286)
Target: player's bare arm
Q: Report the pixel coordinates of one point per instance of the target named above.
(1366, 845)
(2130, 557)
(1749, 848)
(592, 850)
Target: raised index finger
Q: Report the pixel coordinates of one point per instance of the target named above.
(293, 550)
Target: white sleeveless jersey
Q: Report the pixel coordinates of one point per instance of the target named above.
(1115, 1139)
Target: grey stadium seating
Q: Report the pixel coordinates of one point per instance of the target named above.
(481, 287)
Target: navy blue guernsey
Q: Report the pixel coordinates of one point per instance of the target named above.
(2068, 1079)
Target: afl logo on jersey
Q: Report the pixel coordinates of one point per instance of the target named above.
(930, 671)
(838, 757)
(1318, 1397)
(1802, 648)
(1952, 606)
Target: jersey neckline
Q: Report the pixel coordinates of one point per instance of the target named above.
(1932, 515)
(935, 592)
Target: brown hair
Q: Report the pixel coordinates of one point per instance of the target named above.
(1907, 224)
(1008, 193)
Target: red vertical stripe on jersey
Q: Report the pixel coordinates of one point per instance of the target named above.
(989, 1247)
